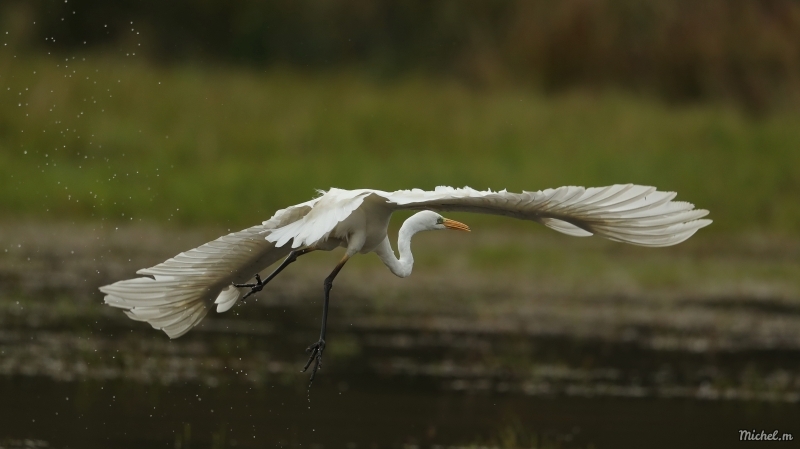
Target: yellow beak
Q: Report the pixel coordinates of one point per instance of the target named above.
(457, 225)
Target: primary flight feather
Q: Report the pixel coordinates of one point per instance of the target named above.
(176, 294)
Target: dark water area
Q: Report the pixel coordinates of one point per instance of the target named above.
(361, 412)
(100, 381)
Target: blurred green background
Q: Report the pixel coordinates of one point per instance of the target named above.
(222, 112)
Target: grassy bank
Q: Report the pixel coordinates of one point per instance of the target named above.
(94, 137)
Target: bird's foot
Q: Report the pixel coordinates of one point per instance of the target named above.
(255, 287)
(316, 357)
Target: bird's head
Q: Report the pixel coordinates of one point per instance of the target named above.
(430, 221)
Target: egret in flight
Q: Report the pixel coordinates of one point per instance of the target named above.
(175, 295)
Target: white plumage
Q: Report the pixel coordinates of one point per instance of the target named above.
(177, 293)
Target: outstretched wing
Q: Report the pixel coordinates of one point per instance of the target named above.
(177, 293)
(628, 213)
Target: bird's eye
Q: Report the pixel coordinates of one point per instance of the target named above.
(439, 220)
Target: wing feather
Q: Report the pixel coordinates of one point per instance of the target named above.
(640, 215)
(177, 293)
(332, 207)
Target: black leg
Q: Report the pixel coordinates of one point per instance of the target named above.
(317, 348)
(259, 284)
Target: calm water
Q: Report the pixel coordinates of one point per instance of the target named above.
(364, 413)
(103, 381)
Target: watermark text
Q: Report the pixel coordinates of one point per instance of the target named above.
(753, 435)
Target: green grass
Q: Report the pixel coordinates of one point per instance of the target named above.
(118, 139)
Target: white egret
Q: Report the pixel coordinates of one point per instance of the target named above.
(176, 294)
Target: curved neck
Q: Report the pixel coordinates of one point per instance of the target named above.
(400, 267)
